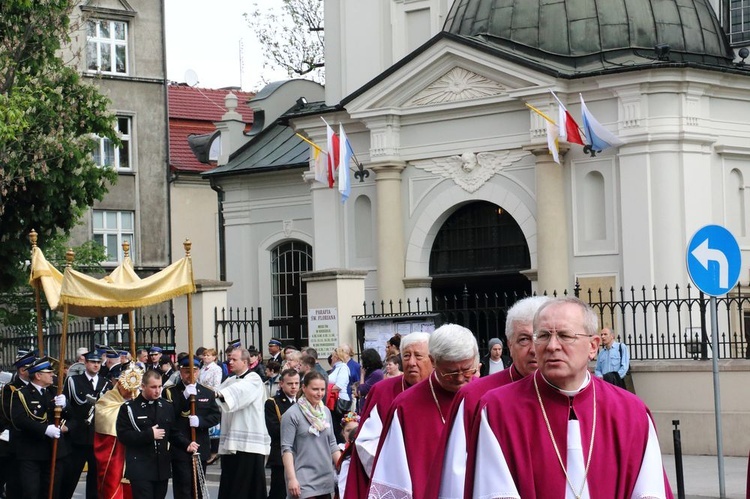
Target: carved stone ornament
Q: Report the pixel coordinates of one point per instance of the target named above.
(458, 84)
(287, 227)
(470, 171)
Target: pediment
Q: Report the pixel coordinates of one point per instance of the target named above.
(447, 74)
(108, 7)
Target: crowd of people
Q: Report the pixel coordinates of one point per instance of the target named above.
(428, 419)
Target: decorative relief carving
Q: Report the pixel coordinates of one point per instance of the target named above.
(470, 171)
(631, 114)
(287, 226)
(692, 110)
(458, 84)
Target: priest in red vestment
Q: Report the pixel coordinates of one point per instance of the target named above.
(417, 366)
(109, 452)
(449, 469)
(561, 432)
(412, 430)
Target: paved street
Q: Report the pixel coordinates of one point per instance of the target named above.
(701, 477)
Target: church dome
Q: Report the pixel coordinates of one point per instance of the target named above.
(577, 37)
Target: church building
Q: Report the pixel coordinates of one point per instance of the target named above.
(462, 191)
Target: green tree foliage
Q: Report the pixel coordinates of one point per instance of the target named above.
(49, 118)
(18, 307)
(291, 34)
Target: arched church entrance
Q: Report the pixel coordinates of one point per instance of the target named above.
(475, 265)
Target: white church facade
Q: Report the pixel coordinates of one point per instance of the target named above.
(432, 97)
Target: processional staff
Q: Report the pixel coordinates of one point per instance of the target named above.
(33, 236)
(69, 256)
(196, 462)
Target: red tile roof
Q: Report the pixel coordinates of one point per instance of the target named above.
(193, 111)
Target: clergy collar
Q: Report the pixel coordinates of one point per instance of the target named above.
(240, 376)
(570, 393)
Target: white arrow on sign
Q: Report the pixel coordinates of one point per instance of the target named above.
(704, 254)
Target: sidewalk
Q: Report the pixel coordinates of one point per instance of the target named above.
(702, 476)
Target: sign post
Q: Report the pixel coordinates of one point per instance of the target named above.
(714, 261)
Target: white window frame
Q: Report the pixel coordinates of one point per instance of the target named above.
(739, 21)
(127, 145)
(113, 232)
(97, 43)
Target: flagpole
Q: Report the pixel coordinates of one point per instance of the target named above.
(313, 144)
(537, 111)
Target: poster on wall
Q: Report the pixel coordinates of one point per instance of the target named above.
(322, 326)
(378, 332)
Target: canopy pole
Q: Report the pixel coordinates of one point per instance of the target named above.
(37, 297)
(69, 255)
(188, 245)
(131, 314)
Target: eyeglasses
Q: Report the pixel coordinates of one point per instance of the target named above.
(466, 373)
(565, 338)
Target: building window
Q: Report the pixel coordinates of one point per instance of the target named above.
(739, 15)
(288, 261)
(111, 229)
(107, 47)
(107, 155)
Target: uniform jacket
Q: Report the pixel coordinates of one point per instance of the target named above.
(79, 408)
(6, 396)
(146, 458)
(273, 424)
(32, 412)
(208, 414)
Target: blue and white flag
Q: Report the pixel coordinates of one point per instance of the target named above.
(345, 155)
(598, 137)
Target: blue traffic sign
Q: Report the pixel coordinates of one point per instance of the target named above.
(714, 260)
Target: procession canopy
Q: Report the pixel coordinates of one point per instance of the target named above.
(118, 293)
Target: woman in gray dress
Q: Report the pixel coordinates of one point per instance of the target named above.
(308, 445)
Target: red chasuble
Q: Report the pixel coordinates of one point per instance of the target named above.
(110, 467)
(416, 423)
(452, 463)
(379, 398)
(516, 421)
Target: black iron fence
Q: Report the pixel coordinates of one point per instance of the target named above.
(238, 324)
(152, 330)
(655, 323)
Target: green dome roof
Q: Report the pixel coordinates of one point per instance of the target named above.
(584, 36)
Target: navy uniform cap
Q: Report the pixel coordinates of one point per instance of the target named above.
(123, 353)
(93, 357)
(185, 362)
(24, 360)
(155, 349)
(43, 365)
(274, 341)
(234, 343)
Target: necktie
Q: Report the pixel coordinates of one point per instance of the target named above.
(93, 383)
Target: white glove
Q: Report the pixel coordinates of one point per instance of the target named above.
(190, 390)
(193, 421)
(52, 431)
(60, 401)
(90, 399)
